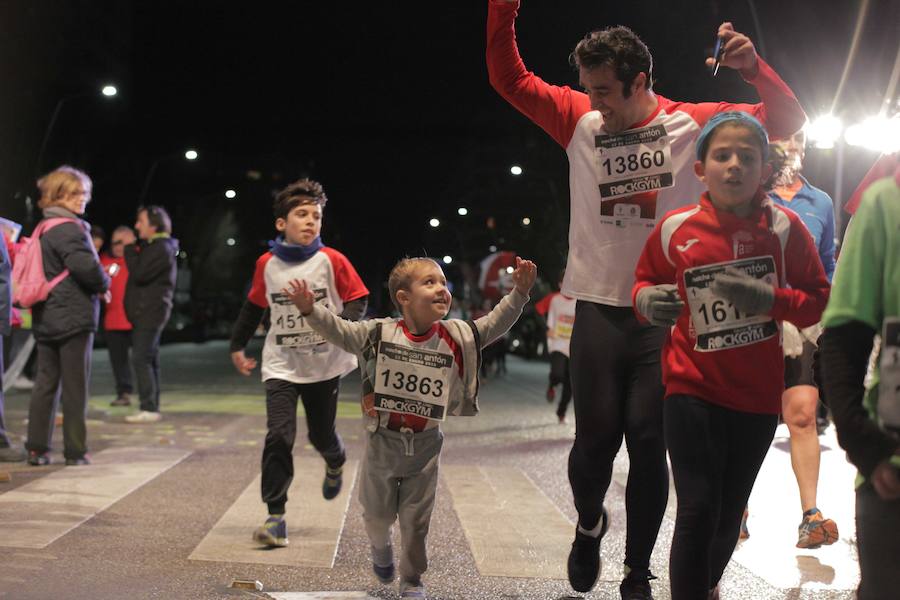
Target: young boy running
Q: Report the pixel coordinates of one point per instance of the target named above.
(742, 265)
(297, 362)
(416, 370)
(559, 312)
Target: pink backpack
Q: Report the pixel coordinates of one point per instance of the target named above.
(30, 285)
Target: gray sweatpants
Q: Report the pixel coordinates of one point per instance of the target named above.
(398, 478)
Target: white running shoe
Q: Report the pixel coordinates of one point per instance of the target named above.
(145, 416)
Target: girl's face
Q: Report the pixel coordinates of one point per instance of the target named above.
(733, 168)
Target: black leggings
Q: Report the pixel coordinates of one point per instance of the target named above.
(320, 404)
(559, 374)
(716, 453)
(617, 386)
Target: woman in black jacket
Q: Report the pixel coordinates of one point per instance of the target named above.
(64, 324)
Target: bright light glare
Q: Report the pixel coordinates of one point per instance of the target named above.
(824, 131)
(191, 155)
(875, 133)
(230, 194)
(230, 241)
(526, 221)
(515, 170)
(434, 222)
(509, 270)
(448, 259)
(109, 91)
(462, 211)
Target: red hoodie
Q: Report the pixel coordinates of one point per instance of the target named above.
(114, 318)
(714, 352)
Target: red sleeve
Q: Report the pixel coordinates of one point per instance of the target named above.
(555, 109)
(257, 293)
(804, 301)
(349, 285)
(653, 267)
(779, 111)
(543, 305)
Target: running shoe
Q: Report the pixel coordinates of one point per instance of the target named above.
(584, 562)
(383, 564)
(636, 585)
(745, 533)
(815, 530)
(413, 590)
(273, 533)
(331, 485)
(123, 399)
(144, 416)
(38, 459)
(81, 461)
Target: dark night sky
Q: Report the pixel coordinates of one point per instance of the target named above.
(386, 103)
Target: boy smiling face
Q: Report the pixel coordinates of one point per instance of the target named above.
(427, 300)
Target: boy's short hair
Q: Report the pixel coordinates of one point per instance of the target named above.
(57, 183)
(620, 49)
(402, 275)
(734, 118)
(158, 217)
(302, 191)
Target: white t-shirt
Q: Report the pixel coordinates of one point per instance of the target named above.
(293, 351)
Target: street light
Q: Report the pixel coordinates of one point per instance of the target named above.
(448, 259)
(434, 222)
(230, 194)
(462, 211)
(108, 90)
(190, 155)
(515, 170)
(824, 131)
(526, 221)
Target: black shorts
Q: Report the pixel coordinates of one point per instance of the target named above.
(799, 370)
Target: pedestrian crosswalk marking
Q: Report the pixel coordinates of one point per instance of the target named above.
(513, 528)
(314, 524)
(319, 596)
(40, 512)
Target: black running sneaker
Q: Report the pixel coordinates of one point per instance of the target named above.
(636, 585)
(584, 559)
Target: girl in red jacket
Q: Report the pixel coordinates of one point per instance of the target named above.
(723, 274)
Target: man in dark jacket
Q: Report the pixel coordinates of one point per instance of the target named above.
(64, 324)
(148, 302)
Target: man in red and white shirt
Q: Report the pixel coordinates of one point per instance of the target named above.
(630, 154)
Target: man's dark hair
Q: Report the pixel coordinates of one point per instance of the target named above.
(303, 191)
(620, 49)
(98, 233)
(157, 217)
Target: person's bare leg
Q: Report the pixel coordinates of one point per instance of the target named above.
(799, 412)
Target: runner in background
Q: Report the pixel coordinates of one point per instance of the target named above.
(559, 312)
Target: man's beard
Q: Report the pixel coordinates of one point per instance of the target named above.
(789, 171)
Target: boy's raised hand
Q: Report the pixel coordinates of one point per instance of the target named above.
(300, 294)
(524, 275)
(242, 363)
